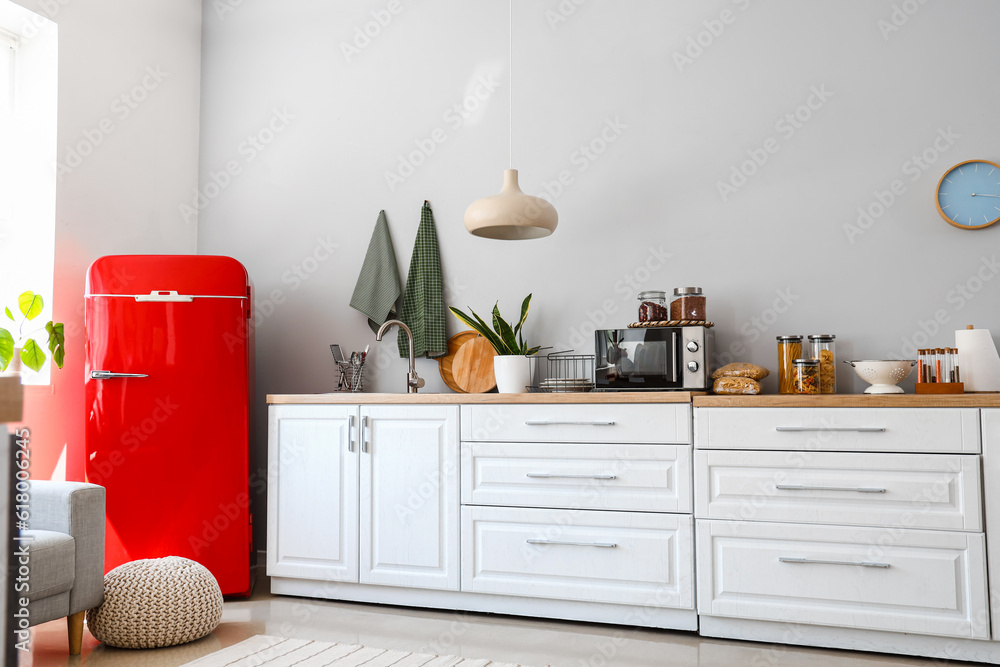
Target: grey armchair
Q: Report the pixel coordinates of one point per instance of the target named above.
(66, 554)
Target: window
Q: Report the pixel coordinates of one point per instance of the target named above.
(28, 96)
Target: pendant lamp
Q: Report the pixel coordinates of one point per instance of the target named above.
(511, 215)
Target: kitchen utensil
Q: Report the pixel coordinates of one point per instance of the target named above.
(338, 354)
(882, 375)
(473, 366)
(446, 363)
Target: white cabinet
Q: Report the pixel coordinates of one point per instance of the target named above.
(991, 487)
(364, 494)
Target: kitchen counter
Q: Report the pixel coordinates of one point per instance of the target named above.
(851, 401)
(348, 398)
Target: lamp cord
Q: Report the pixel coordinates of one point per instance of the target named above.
(510, 83)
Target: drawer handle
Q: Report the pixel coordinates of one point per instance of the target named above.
(859, 489)
(864, 563)
(854, 429)
(546, 422)
(603, 545)
(549, 475)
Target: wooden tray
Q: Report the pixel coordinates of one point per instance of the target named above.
(671, 323)
(445, 363)
(939, 387)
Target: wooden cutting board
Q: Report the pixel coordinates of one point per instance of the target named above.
(446, 362)
(473, 366)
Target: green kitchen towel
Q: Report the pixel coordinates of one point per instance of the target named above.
(423, 299)
(377, 289)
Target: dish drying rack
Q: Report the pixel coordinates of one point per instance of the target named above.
(562, 373)
(351, 376)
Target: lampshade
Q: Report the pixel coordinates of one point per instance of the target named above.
(511, 215)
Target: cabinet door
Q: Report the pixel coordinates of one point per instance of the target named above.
(409, 496)
(991, 491)
(312, 492)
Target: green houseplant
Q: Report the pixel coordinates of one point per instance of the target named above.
(21, 343)
(510, 366)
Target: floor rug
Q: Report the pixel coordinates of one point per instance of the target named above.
(265, 650)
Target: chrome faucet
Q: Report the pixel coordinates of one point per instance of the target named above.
(413, 381)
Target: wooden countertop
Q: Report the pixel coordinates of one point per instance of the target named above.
(477, 399)
(11, 393)
(851, 401)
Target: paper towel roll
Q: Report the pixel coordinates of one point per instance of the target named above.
(979, 363)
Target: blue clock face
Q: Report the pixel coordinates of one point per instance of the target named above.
(968, 196)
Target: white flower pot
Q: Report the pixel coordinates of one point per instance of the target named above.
(14, 368)
(513, 373)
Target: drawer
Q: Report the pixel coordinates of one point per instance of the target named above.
(839, 429)
(940, 491)
(917, 581)
(641, 478)
(614, 557)
(594, 422)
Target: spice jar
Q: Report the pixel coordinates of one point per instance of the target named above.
(806, 376)
(789, 349)
(688, 303)
(653, 306)
(822, 347)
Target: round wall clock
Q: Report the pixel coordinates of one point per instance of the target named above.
(968, 195)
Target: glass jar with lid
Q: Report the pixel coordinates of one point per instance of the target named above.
(806, 376)
(822, 349)
(789, 349)
(688, 303)
(653, 306)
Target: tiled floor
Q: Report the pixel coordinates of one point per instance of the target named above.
(501, 638)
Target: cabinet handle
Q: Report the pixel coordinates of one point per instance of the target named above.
(548, 475)
(855, 429)
(859, 489)
(603, 545)
(865, 563)
(350, 433)
(364, 434)
(546, 422)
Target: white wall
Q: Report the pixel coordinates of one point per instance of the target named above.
(129, 143)
(776, 256)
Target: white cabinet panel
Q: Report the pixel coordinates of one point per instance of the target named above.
(410, 496)
(915, 581)
(641, 478)
(904, 490)
(618, 557)
(991, 488)
(312, 492)
(594, 422)
(840, 429)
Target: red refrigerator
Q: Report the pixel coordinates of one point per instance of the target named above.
(169, 387)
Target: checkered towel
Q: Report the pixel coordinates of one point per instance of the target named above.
(378, 287)
(423, 299)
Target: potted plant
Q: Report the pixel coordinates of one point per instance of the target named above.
(511, 366)
(20, 349)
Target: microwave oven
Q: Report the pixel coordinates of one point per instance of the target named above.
(654, 359)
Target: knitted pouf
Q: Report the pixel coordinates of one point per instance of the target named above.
(156, 602)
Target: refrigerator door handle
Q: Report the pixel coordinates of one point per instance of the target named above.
(364, 434)
(106, 375)
(165, 295)
(350, 433)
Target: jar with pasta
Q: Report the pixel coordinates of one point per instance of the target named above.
(822, 349)
(789, 349)
(806, 376)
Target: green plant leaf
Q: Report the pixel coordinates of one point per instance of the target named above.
(10, 315)
(58, 355)
(32, 355)
(524, 313)
(30, 304)
(6, 348)
(533, 350)
(56, 335)
(506, 333)
(480, 327)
